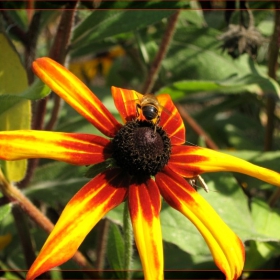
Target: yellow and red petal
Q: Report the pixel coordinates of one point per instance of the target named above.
(83, 211)
(125, 101)
(171, 120)
(74, 148)
(144, 206)
(226, 248)
(76, 94)
(186, 160)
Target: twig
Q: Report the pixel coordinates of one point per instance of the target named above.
(165, 43)
(30, 47)
(272, 69)
(60, 48)
(197, 128)
(13, 27)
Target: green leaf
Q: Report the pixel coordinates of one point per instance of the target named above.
(141, 5)
(259, 253)
(249, 83)
(266, 220)
(56, 183)
(115, 250)
(230, 202)
(100, 167)
(193, 16)
(36, 91)
(177, 229)
(196, 54)
(13, 80)
(5, 210)
(101, 24)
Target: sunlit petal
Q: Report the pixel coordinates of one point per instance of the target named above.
(171, 120)
(76, 93)
(82, 212)
(186, 159)
(80, 149)
(125, 101)
(226, 248)
(144, 206)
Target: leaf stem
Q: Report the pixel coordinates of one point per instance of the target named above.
(128, 241)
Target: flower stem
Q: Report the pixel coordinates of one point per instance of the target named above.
(128, 241)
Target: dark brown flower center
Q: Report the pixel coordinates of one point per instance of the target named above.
(140, 149)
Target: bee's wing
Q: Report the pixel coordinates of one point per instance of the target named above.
(171, 122)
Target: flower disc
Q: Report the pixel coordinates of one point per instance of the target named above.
(141, 148)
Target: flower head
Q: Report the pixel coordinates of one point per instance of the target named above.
(149, 161)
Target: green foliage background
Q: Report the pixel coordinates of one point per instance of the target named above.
(225, 96)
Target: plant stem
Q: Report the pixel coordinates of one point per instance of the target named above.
(163, 48)
(271, 100)
(30, 47)
(55, 111)
(103, 230)
(24, 235)
(128, 241)
(272, 69)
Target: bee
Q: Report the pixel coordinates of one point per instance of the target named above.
(149, 108)
(157, 110)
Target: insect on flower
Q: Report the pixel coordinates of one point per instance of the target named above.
(201, 182)
(149, 108)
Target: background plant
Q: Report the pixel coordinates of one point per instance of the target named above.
(219, 66)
